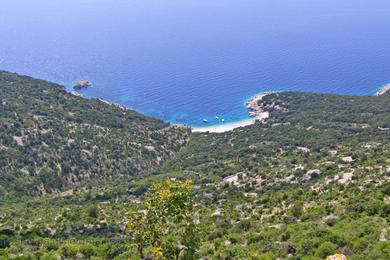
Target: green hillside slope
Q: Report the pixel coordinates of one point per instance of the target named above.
(311, 181)
(51, 140)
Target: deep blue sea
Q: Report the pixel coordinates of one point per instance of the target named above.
(185, 60)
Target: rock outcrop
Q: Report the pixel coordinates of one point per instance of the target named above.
(384, 90)
(82, 84)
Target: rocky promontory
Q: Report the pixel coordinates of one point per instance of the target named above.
(261, 109)
(255, 105)
(384, 90)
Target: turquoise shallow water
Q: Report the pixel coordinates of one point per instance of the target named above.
(185, 60)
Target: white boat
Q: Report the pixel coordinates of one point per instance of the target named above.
(205, 121)
(217, 117)
(222, 120)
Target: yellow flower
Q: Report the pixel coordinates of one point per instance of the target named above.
(157, 252)
(165, 194)
(337, 257)
(129, 226)
(252, 254)
(186, 183)
(158, 229)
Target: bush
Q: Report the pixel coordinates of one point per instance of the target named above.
(4, 253)
(4, 242)
(297, 210)
(93, 211)
(325, 249)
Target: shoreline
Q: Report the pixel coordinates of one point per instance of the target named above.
(256, 113)
(222, 128)
(226, 127)
(383, 90)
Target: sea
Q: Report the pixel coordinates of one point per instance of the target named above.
(188, 60)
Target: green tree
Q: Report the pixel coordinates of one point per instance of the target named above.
(326, 249)
(164, 226)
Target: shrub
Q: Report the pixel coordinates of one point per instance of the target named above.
(93, 211)
(325, 249)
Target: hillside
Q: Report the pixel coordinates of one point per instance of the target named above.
(51, 140)
(315, 178)
(311, 181)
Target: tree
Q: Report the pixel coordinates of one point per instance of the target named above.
(164, 226)
(297, 210)
(326, 249)
(93, 211)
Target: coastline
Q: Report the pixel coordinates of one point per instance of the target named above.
(383, 90)
(226, 127)
(221, 128)
(256, 113)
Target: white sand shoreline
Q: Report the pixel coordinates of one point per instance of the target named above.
(221, 128)
(226, 127)
(256, 113)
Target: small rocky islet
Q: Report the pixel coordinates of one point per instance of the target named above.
(82, 84)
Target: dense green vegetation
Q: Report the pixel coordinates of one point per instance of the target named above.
(310, 182)
(314, 178)
(51, 140)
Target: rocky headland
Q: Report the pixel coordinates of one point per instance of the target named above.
(384, 90)
(260, 109)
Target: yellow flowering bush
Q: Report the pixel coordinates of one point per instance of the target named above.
(163, 227)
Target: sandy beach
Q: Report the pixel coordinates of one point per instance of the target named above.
(221, 128)
(256, 113)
